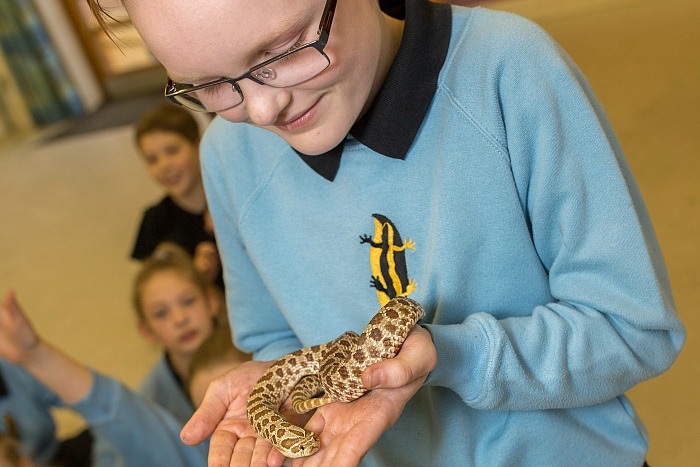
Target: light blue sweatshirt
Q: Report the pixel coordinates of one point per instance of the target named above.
(25, 404)
(142, 433)
(161, 386)
(512, 217)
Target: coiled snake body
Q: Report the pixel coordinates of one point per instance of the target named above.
(333, 368)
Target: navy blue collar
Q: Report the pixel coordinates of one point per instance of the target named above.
(390, 125)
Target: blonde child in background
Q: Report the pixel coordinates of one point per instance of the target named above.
(168, 140)
(142, 433)
(176, 308)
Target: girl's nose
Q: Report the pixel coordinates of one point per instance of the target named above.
(162, 164)
(263, 103)
(180, 316)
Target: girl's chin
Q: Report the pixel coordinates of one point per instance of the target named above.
(315, 144)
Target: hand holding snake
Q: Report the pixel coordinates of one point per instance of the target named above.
(336, 370)
(346, 431)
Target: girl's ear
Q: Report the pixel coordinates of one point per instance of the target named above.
(146, 332)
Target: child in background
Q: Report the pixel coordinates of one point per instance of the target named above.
(141, 432)
(168, 139)
(177, 308)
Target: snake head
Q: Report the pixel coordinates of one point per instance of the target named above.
(302, 446)
(309, 445)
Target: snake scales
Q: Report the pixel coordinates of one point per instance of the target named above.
(333, 369)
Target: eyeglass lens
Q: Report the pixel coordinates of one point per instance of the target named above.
(299, 66)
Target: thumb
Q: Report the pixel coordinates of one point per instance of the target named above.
(414, 361)
(387, 374)
(205, 419)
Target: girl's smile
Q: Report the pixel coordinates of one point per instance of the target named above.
(300, 120)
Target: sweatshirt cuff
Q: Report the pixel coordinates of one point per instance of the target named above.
(462, 357)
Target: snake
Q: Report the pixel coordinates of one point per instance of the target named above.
(318, 375)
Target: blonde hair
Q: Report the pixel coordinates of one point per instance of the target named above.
(167, 256)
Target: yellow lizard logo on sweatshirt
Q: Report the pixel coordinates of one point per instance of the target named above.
(387, 258)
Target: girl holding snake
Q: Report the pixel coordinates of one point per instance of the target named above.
(471, 159)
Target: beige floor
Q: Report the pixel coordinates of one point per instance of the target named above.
(68, 210)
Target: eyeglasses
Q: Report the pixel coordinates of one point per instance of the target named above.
(291, 68)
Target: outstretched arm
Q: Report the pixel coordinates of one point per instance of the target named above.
(21, 345)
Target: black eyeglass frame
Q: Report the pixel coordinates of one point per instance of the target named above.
(324, 31)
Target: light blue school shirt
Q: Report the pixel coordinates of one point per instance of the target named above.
(512, 217)
(26, 403)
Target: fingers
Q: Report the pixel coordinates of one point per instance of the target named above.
(4, 308)
(344, 448)
(274, 457)
(415, 361)
(226, 449)
(11, 299)
(351, 450)
(221, 448)
(348, 431)
(9, 306)
(11, 309)
(206, 260)
(223, 413)
(207, 249)
(316, 423)
(14, 309)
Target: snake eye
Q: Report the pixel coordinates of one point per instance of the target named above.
(310, 445)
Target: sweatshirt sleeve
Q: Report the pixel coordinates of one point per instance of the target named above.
(611, 323)
(143, 434)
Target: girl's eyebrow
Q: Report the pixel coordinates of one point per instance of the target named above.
(287, 28)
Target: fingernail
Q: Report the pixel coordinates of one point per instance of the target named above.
(374, 379)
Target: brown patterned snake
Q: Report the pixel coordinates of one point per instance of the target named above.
(335, 368)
